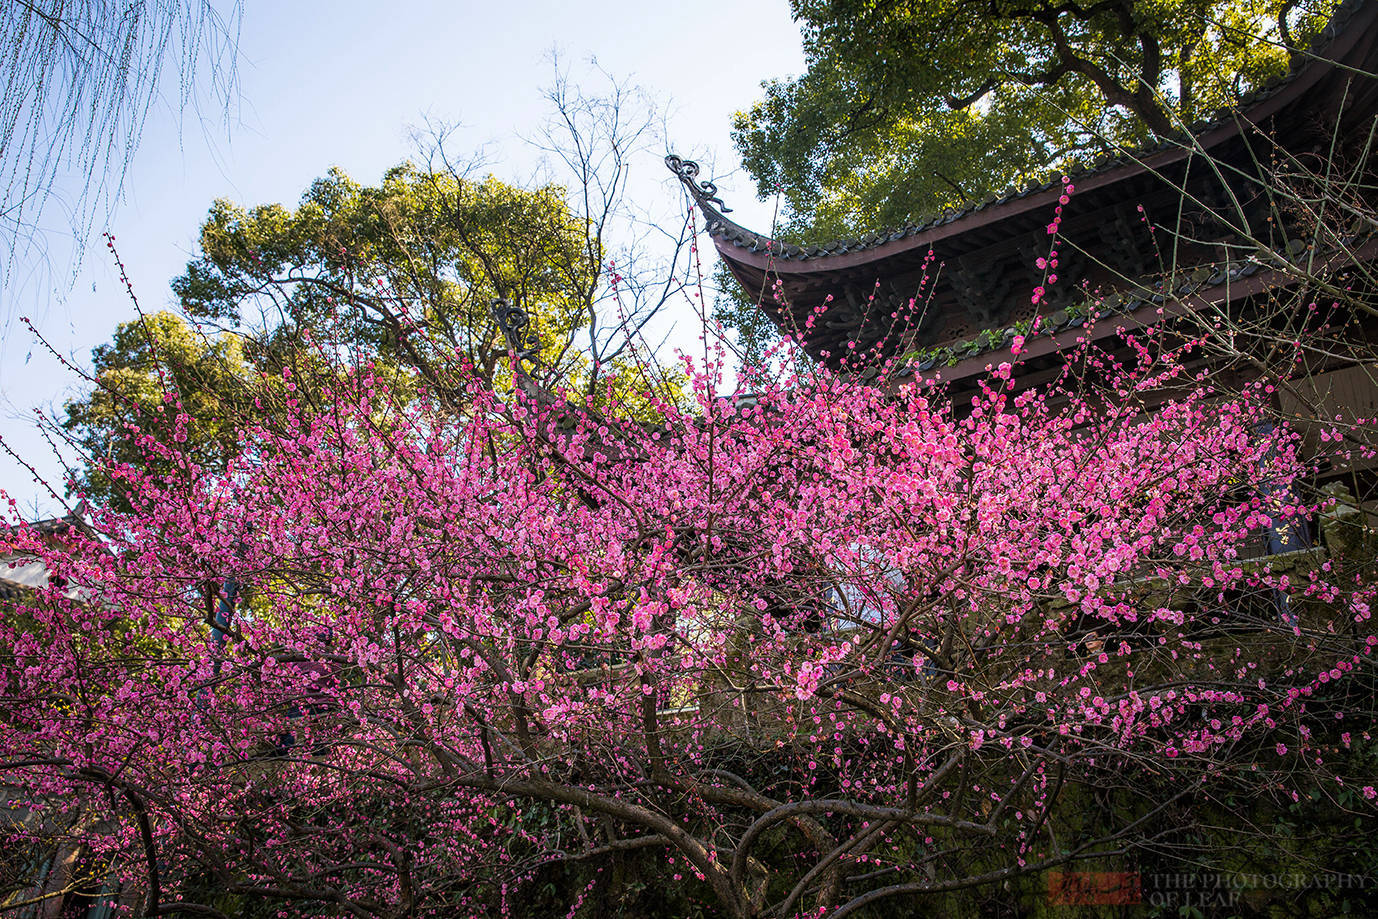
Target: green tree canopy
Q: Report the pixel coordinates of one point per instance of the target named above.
(909, 106)
(402, 275)
(406, 269)
(159, 376)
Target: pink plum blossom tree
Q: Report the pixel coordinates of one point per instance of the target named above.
(812, 649)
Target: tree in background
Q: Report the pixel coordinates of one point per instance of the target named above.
(407, 267)
(403, 272)
(402, 275)
(147, 360)
(909, 106)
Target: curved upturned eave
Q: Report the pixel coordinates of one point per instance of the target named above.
(1355, 39)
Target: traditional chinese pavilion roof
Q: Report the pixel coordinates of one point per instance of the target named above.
(21, 572)
(959, 284)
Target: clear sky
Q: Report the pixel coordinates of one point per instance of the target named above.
(346, 83)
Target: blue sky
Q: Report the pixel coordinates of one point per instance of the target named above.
(347, 84)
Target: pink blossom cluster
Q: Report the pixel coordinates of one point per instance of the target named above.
(830, 606)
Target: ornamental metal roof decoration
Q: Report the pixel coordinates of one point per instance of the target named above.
(522, 341)
(950, 287)
(560, 424)
(704, 192)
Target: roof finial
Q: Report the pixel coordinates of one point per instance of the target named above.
(514, 324)
(688, 171)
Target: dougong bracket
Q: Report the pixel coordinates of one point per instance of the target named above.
(704, 192)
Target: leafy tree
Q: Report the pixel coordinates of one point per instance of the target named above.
(406, 269)
(401, 275)
(163, 378)
(908, 106)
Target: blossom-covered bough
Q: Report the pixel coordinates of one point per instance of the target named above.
(799, 653)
